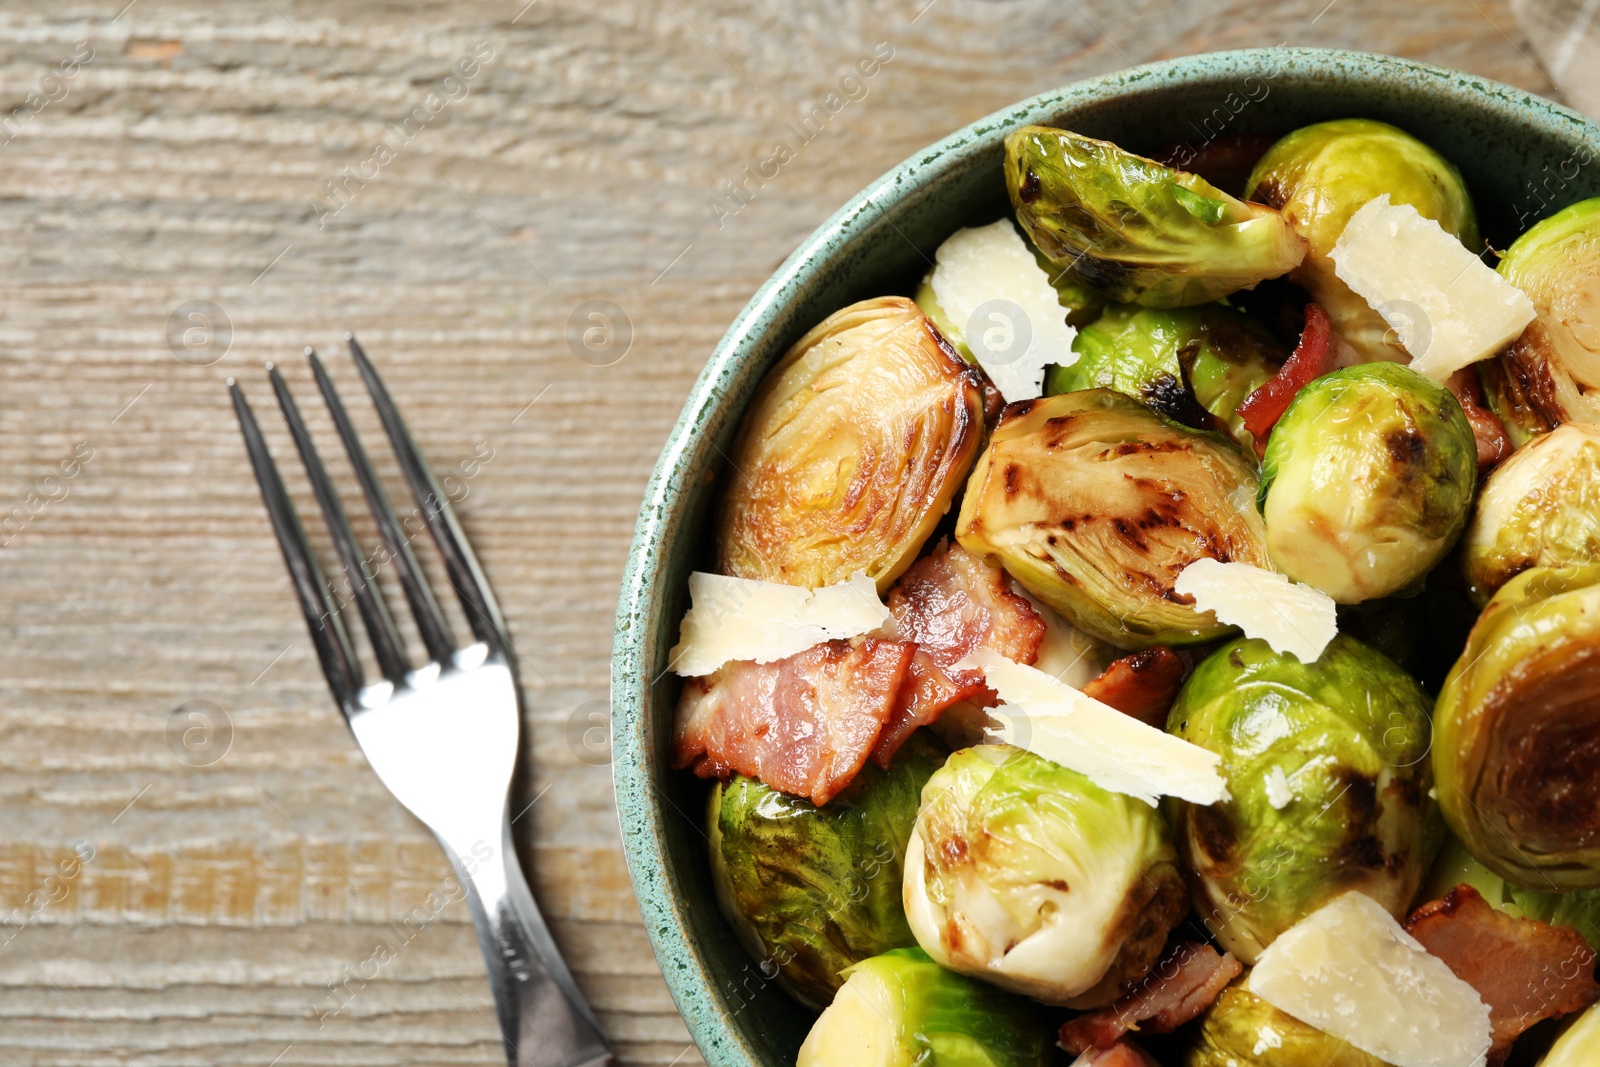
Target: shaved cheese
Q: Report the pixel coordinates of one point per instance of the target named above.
(1279, 792)
(1350, 970)
(993, 290)
(1449, 308)
(1115, 751)
(1293, 618)
(743, 619)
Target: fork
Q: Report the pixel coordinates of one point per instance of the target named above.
(443, 736)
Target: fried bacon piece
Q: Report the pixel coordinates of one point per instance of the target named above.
(1525, 970)
(1189, 977)
(1487, 429)
(951, 602)
(802, 725)
(1141, 684)
(1122, 1054)
(1311, 359)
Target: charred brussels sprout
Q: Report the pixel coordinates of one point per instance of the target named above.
(1318, 176)
(1551, 374)
(1030, 876)
(813, 889)
(1096, 504)
(1195, 365)
(851, 452)
(1242, 1030)
(1327, 766)
(901, 1009)
(1540, 508)
(1366, 481)
(1137, 231)
(1517, 732)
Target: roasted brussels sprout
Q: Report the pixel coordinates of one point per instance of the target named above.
(1030, 876)
(1540, 508)
(901, 1009)
(1195, 365)
(1096, 504)
(1366, 481)
(1242, 1030)
(1137, 231)
(1318, 176)
(1551, 374)
(812, 889)
(851, 452)
(1517, 731)
(1327, 766)
(1578, 1045)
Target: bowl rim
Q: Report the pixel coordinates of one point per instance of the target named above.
(666, 916)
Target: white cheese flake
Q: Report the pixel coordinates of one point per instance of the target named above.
(1280, 794)
(1266, 1039)
(1349, 969)
(993, 290)
(1449, 308)
(1294, 619)
(1115, 751)
(743, 619)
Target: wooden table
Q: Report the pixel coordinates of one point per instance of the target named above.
(236, 872)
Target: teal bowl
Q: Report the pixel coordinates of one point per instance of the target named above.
(1522, 156)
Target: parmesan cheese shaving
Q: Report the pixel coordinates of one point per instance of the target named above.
(1115, 751)
(1279, 793)
(1449, 308)
(1350, 970)
(1293, 618)
(743, 619)
(993, 290)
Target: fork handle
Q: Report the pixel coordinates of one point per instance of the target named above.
(544, 1019)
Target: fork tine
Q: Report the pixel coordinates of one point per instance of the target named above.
(465, 573)
(430, 620)
(339, 662)
(380, 627)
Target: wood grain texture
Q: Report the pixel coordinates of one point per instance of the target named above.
(209, 908)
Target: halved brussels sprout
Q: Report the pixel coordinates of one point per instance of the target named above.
(1540, 508)
(1320, 175)
(1096, 504)
(814, 890)
(1137, 231)
(1242, 1030)
(1578, 1045)
(1028, 875)
(1551, 374)
(1195, 365)
(1517, 732)
(901, 1009)
(1367, 480)
(1327, 766)
(851, 452)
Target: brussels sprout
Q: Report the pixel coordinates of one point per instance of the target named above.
(1551, 374)
(814, 890)
(1030, 876)
(851, 452)
(1327, 766)
(901, 1009)
(1242, 1030)
(1366, 481)
(1137, 231)
(1320, 175)
(1540, 508)
(1578, 1045)
(1517, 730)
(1096, 504)
(1195, 365)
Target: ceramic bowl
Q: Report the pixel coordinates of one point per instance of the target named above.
(1522, 157)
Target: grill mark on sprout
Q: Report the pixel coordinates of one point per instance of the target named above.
(1030, 188)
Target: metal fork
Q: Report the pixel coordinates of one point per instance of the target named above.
(442, 736)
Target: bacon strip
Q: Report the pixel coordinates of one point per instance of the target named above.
(1311, 359)
(1141, 684)
(951, 602)
(802, 725)
(1487, 429)
(1189, 977)
(1122, 1054)
(1525, 970)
